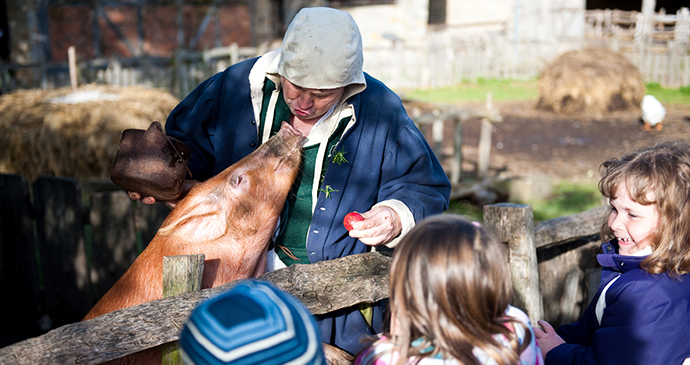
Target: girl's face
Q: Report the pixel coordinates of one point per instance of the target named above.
(632, 223)
(309, 104)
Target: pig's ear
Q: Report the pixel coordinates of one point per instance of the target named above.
(201, 222)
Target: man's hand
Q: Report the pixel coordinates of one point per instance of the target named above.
(547, 338)
(143, 199)
(188, 185)
(380, 226)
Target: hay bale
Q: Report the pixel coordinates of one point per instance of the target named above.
(594, 80)
(73, 133)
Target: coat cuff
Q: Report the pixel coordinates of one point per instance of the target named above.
(405, 216)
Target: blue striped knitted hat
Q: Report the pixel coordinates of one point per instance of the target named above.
(254, 323)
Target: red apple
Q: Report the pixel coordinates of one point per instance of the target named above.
(351, 217)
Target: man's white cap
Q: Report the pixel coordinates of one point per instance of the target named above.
(322, 49)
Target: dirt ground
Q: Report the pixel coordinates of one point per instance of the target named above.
(532, 142)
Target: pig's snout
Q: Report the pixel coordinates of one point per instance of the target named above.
(287, 131)
(285, 143)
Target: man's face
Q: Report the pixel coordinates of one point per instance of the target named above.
(309, 104)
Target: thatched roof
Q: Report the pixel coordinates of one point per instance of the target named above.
(595, 80)
(73, 133)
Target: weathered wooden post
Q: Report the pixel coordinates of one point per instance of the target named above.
(514, 224)
(456, 165)
(181, 274)
(437, 133)
(484, 149)
(72, 61)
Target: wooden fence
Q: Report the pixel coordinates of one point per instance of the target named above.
(443, 127)
(178, 74)
(657, 43)
(63, 244)
(553, 269)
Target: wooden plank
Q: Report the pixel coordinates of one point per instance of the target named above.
(323, 287)
(514, 224)
(571, 297)
(181, 274)
(114, 240)
(60, 233)
(19, 273)
(571, 227)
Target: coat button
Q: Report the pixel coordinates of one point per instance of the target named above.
(622, 264)
(253, 144)
(253, 122)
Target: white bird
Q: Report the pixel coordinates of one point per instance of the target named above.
(652, 113)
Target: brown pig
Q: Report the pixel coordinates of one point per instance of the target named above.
(229, 218)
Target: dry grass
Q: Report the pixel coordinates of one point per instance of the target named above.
(595, 80)
(40, 134)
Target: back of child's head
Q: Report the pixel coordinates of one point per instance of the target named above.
(657, 175)
(254, 323)
(450, 286)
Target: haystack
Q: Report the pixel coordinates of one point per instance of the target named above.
(73, 133)
(595, 80)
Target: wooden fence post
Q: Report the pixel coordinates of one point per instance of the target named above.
(60, 232)
(181, 274)
(514, 224)
(484, 149)
(19, 280)
(72, 63)
(114, 243)
(456, 167)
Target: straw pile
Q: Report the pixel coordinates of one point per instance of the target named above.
(73, 133)
(594, 80)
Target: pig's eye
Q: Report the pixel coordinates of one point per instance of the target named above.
(237, 179)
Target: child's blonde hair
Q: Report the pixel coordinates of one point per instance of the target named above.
(450, 287)
(664, 171)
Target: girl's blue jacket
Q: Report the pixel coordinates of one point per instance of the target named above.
(646, 319)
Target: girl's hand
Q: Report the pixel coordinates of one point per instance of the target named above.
(380, 225)
(547, 338)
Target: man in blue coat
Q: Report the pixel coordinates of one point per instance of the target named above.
(362, 152)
